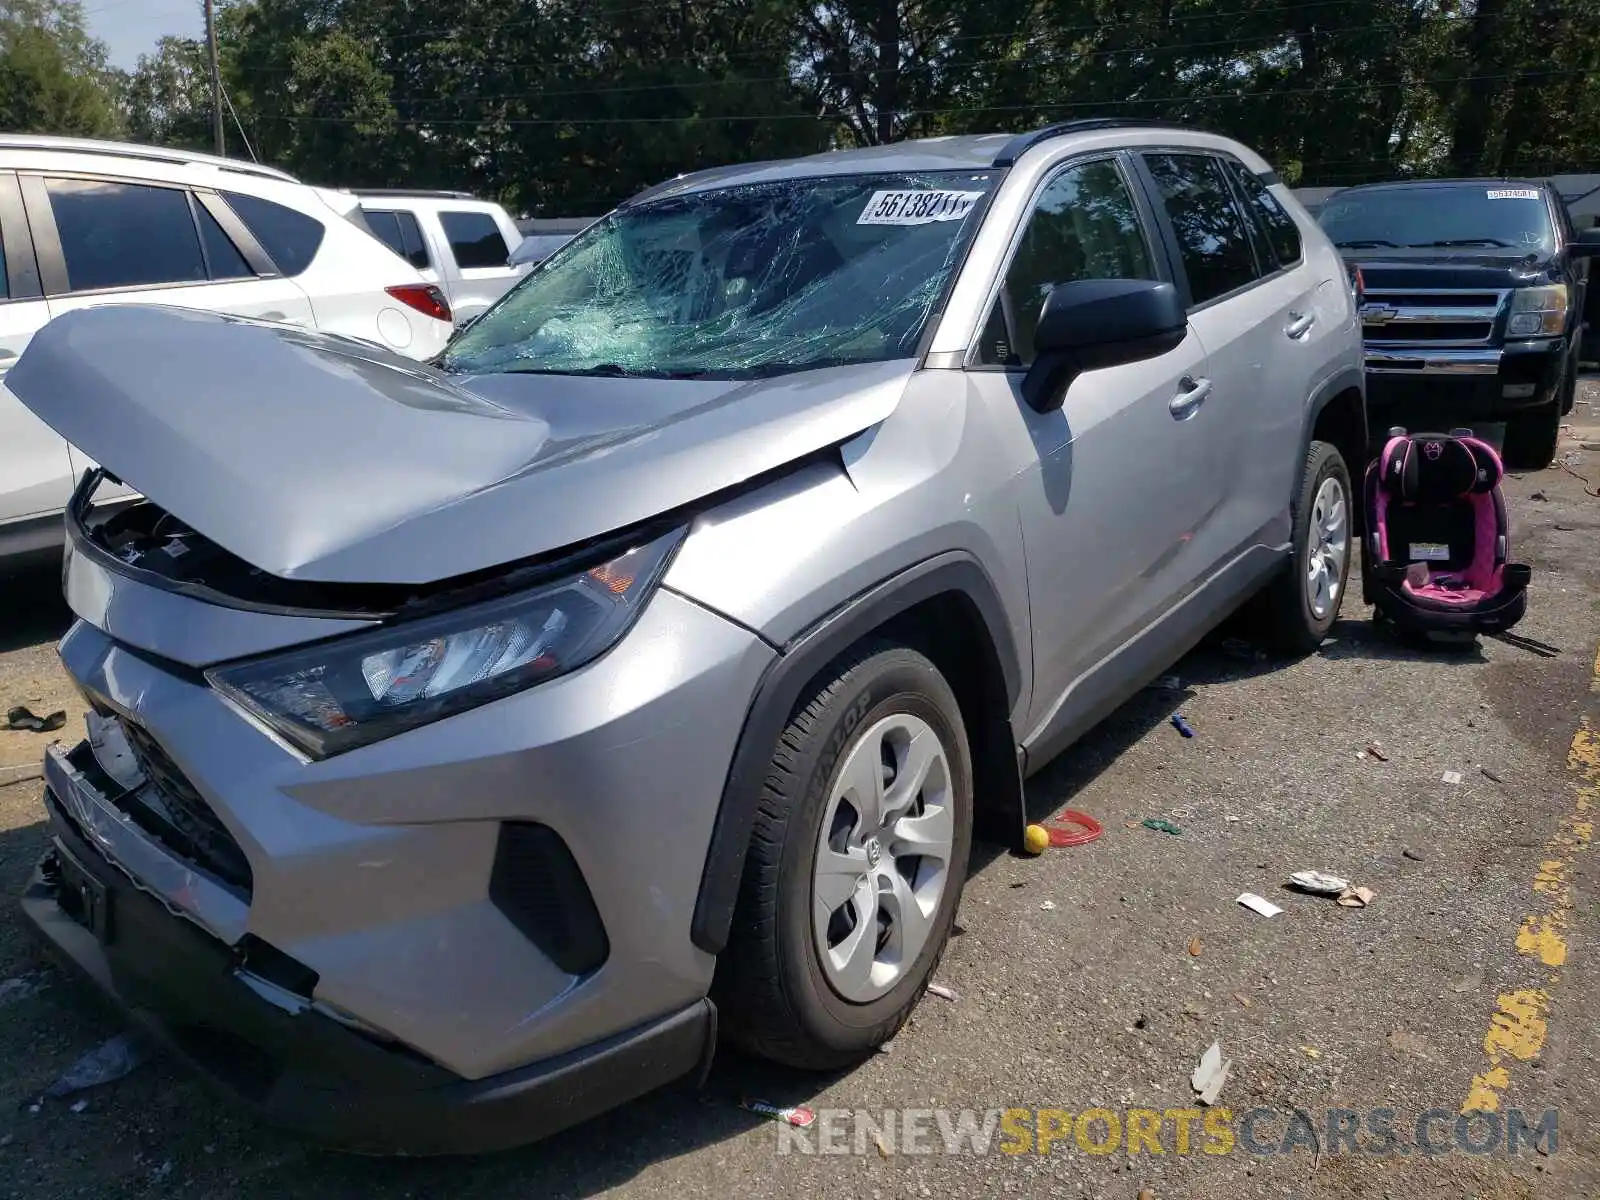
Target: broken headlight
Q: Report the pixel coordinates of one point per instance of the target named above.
(346, 692)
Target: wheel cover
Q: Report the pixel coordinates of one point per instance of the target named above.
(883, 857)
(1327, 547)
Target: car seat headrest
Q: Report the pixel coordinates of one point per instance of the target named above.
(1431, 467)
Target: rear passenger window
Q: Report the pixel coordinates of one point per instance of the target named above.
(1084, 226)
(401, 233)
(1283, 235)
(222, 256)
(475, 239)
(1211, 233)
(124, 234)
(290, 238)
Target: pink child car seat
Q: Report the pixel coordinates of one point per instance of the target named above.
(1437, 555)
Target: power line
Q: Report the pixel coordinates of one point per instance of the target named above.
(830, 118)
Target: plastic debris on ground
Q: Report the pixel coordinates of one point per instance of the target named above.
(21, 717)
(1036, 839)
(1160, 826)
(943, 992)
(1070, 827)
(1257, 904)
(799, 1115)
(1047, 906)
(1181, 725)
(1318, 883)
(1451, 777)
(1210, 1075)
(106, 1063)
(1195, 946)
(1374, 750)
(1357, 897)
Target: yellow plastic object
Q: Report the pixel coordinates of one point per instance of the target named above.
(1036, 839)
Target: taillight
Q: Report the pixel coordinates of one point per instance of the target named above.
(424, 297)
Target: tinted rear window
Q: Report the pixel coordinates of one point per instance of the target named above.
(290, 238)
(475, 239)
(221, 254)
(124, 234)
(400, 232)
(1487, 215)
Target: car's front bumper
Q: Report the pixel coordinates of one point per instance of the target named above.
(304, 1070)
(493, 899)
(1462, 383)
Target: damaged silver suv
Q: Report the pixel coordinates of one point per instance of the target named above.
(474, 743)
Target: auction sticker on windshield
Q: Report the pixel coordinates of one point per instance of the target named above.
(1513, 194)
(917, 208)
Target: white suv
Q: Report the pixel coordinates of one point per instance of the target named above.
(457, 241)
(85, 223)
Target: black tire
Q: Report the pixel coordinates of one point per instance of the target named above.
(1567, 393)
(1530, 443)
(773, 997)
(1287, 623)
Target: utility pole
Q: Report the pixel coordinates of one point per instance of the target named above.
(216, 75)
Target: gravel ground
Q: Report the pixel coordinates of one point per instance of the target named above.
(1076, 974)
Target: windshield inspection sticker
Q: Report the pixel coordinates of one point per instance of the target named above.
(1513, 194)
(917, 208)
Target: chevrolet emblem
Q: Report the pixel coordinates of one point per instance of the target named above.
(1378, 314)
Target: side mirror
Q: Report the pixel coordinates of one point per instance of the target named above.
(1587, 244)
(1091, 324)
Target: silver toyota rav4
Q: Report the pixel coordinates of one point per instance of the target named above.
(473, 744)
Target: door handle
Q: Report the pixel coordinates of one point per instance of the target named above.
(1298, 325)
(1191, 395)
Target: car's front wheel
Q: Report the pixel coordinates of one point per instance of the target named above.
(855, 866)
(1530, 441)
(1300, 606)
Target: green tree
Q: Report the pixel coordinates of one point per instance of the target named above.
(167, 96)
(54, 77)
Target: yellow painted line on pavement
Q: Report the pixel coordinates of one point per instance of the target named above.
(1518, 1027)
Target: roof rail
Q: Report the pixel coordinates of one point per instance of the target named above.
(1023, 142)
(419, 193)
(177, 157)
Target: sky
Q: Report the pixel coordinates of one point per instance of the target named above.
(130, 27)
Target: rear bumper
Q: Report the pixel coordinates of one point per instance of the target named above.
(303, 1070)
(1443, 382)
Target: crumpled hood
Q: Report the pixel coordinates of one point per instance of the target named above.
(320, 458)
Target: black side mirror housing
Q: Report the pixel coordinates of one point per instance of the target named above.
(1587, 244)
(1090, 324)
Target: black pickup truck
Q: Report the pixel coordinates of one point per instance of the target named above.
(1472, 295)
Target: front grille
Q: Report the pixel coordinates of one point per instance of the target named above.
(170, 810)
(1448, 318)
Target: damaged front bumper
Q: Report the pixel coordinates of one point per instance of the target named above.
(301, 1069)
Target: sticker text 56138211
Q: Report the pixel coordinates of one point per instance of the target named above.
(917, 207)
(1513, 194)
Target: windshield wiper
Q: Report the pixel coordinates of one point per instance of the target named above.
(1365, 244)
(607, 370)
(1461, 242)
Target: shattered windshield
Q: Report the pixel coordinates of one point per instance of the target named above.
(741, 281)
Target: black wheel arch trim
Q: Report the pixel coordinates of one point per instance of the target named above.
(1346, 379)
(779, 690)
